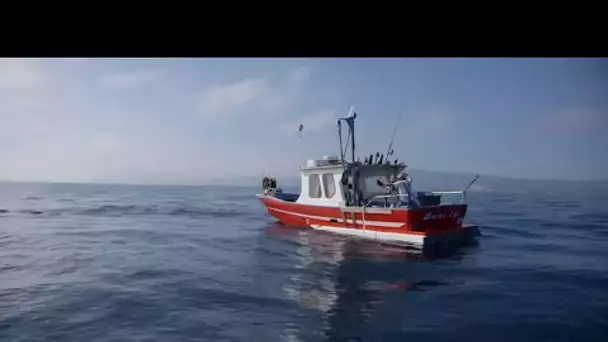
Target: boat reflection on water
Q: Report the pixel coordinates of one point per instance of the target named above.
(344, 278)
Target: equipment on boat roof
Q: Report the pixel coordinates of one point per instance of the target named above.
(269, 185)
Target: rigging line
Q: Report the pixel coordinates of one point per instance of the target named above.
(390, 145)
(346, 147)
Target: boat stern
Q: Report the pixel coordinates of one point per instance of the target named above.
(463, 236)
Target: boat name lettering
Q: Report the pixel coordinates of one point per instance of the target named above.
(440, 216)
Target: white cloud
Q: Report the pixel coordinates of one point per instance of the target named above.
(24, 90)
(227, 97)
(287, 94)
(74, 61)
(128, 79)
(301, 74)
(56, 128)
(269, 97)
(21, 74)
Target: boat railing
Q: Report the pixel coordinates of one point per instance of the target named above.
(454, 192)
(384, 196)
(462, 193)
(399, 196)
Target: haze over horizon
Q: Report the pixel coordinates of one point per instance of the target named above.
(193, 120)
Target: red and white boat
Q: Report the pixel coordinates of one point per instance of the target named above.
(371, 199)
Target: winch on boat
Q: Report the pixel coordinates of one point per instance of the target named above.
(371, 199)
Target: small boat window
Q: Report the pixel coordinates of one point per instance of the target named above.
(329, 185)
(314, 186)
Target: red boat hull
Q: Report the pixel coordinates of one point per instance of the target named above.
(409, 225)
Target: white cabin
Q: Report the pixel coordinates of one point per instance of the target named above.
(320, 184)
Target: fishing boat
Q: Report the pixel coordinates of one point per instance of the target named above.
(371, 199)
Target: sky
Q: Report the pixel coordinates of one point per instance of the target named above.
(190, 121)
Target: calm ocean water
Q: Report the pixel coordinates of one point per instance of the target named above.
(159, 263)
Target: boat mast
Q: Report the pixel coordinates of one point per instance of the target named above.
(351, 169)
(350, 121)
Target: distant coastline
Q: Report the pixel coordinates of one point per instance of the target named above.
(423, 180)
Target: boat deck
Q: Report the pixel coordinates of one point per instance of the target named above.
(287, 197)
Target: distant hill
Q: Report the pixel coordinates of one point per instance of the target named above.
(487, 183)
(437, 180)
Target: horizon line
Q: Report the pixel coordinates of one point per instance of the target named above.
(224, 181)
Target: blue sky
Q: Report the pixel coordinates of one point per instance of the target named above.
(192, 120)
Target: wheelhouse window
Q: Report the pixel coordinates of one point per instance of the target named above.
(329, 185)
(314, 186)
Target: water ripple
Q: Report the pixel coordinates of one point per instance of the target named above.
(116, 263)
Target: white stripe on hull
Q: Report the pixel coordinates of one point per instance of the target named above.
(339, 220)
(370, 234)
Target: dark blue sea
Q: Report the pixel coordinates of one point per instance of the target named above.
(176, 263)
